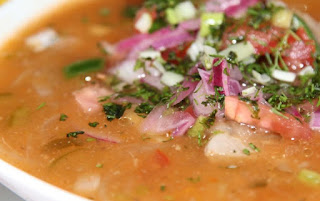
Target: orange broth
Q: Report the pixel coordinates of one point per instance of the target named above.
(138, 168)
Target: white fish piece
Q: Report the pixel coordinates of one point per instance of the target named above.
(224, 145)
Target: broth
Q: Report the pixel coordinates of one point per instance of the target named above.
(34, 94)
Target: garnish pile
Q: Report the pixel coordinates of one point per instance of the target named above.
(189, 65)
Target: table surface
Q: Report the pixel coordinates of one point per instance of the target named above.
(7, 195)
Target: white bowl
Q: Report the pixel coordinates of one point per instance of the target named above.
(16, 15)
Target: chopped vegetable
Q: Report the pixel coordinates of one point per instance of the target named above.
(99, 165)
(75, 134)
(209, 20)
(113, 111)
(93, 124)
(282, 18)
(41, 105)
(63, 117)
(243, 50)
(246, 152)
(82, 67)
(309, 177)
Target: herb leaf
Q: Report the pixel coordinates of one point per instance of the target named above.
(63, 117)
(82, 67)
(75, 134)
(113, 111)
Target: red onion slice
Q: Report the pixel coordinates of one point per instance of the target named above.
(190, 25)
(187, 87)
(161, 121)
(207, 81)
(232, 8)
(197, 98)
(315, 121)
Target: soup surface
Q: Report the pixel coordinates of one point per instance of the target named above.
(113, 160)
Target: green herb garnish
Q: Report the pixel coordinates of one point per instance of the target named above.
(75, 134)
(82, 67)
(113, 111)
(63, 117)
(41, 105)
(93, 124)
(246, 152)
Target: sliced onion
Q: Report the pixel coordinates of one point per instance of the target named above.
(308, 70)
(172, 39)
(103, 138)
(170, 78)
(162, 121)
(190, 25)
(88, 97)
(315, 120)
(235, 73)
(284, 75)
(153, 81)
(261, 78)
(186, 88)
(233, 88)
(233, 8)
(125, 71)
(196, 47)
(126, 99)
(129, 43)
(207, 81)
(197, 98)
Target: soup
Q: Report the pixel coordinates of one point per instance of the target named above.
(53, 129)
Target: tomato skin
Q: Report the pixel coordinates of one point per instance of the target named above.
(299, 54)
(180, 52)
(288, 127)
(263, 39)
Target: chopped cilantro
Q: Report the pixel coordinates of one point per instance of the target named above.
(99, 165)
(63, 117)
(246, 152)
(254, 147)
(113, 111)
(144, 109)
(41, 105)
(162, 188)
(90, 139)
(93, 124)
(75, 134)
(278, 113)
(194, 179)
(82, 67)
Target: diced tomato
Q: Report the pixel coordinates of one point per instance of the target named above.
(262, 39)
(180, 52)
(288, 126)
(161, 158)
(190, 111)
(300, 53)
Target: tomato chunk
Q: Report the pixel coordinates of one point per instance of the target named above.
(300, 52)
(288, 126)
